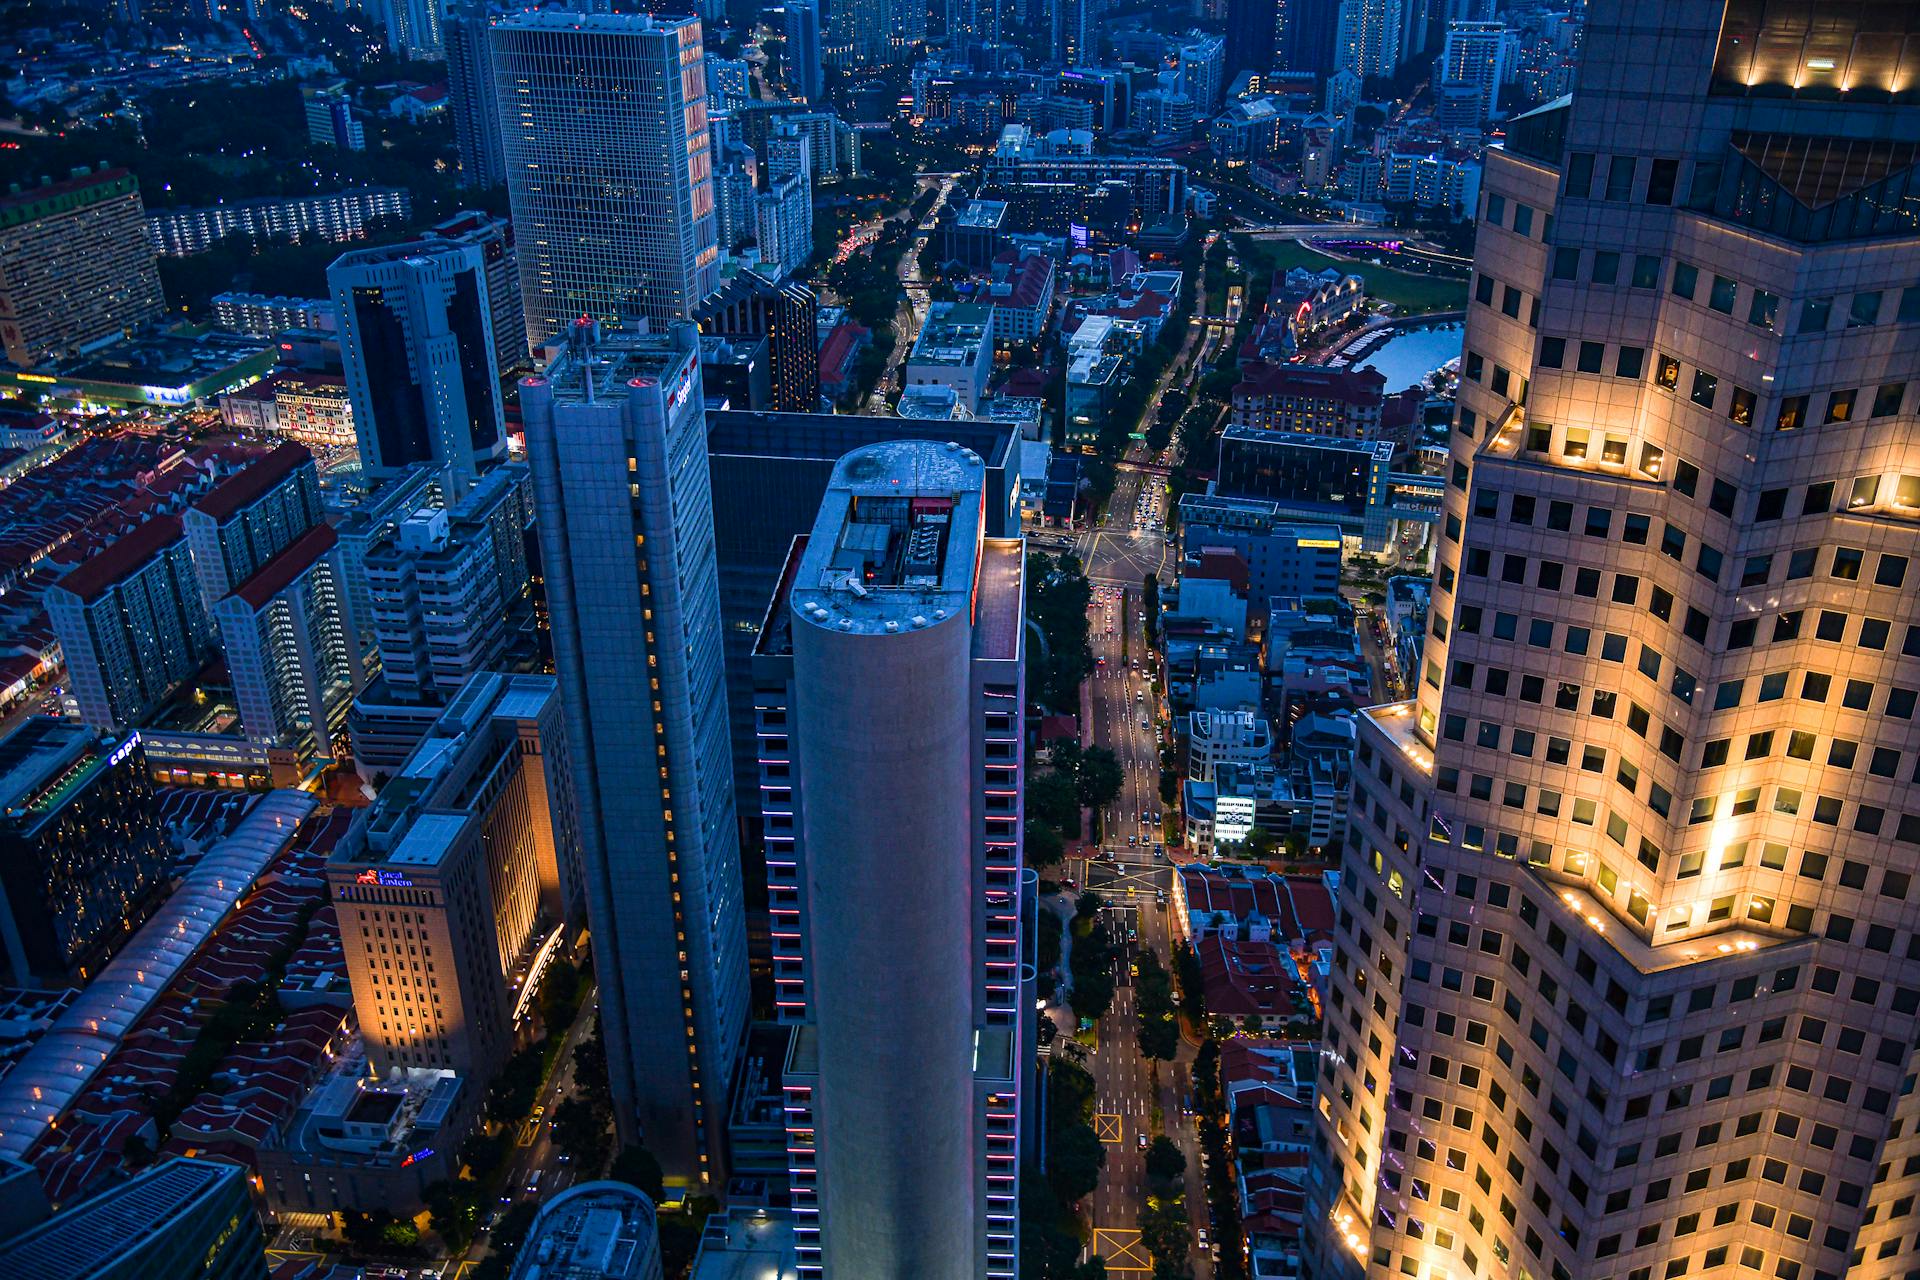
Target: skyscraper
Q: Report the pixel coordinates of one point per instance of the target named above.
(250, 517)
(616, 438)
(413, 26)
(178, 1217)
(887, 687)
(493, 237)
(1626, 971)
(800, 23)
(603, 123)
(1368, 35)
(1253, 33)
(417, 341)
(1076, 33)
(471, 97)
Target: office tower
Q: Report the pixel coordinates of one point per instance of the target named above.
(472, 100)
(75, 265)
(250, 517)
(442, 583)
(131, 623)
(330, 118)
(293, 649)
(888, 692)
(83, 850)
(179, 1217)
(1625, 973)
(475, 842)
(603, 121)
(412, 27)
(800, 23)
(1477, 54)
(1254, 28)
(616, 438)
(493, 237)
(754, 306)
(593, 1231)
(416, 337)
(1367, 38)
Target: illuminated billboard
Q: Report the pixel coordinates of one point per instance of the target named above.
(1232, 818)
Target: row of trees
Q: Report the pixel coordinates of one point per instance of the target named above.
(1159, 1031)
(1079, 779)
(1090, 959)
(1050, 1228)
(1058, 594)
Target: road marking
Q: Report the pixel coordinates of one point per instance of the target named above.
(1122, 1248)
(1107, 1127)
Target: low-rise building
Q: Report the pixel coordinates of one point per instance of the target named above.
(1310, 400)
(264, 315)
(1215, 738)
(954, 349)
(1021, 292)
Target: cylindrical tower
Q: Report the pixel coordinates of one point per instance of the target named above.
(886, 755)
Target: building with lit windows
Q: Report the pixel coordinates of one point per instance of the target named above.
(75, 265)
(132, 624)
(417, 345)
(1625, 981)
(603, 125)
(887, 690)
(179, 1217)
(84, 853)
(617, 441)
(455, 887)
(250, 517)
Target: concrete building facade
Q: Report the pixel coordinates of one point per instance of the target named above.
(888, 697)
(616, 438)
(1624, 984)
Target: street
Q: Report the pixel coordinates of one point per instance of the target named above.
(1133, 1102)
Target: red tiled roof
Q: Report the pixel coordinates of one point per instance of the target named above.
(279, 572)
(1242, 978)
(121, 558)
(1352, 386)
(250, 484)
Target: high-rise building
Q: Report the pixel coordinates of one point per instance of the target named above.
(753, 306)
(493, 237)
(1076, 33)
(1367, 37)
(783, 224)
(873, 33)
(293, 649)
(417, 342)
(729, 84)
(179, 1217)
(412, 26)
(603, 121)
(888, 695)
(1253, 33)
(83, 849)
(250, 517)
(474, 844)
(75, 265)
(132, 624)
(441, 584)
(1202, 74)
(1307, 32)
(616, 438)
(1626, 966)
(800, 22)
(1477, 54)
(472, 100)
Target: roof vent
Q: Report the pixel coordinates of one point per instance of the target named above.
(892, 626)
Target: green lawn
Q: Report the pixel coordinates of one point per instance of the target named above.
(1410, 293)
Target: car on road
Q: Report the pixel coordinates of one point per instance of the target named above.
(1145, 725)
(1132, 841)
(1143, 1137)
(1203, 1237)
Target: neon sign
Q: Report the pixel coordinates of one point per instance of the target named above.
(386, 879)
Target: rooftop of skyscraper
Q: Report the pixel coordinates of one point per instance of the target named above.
(894, 546)
(595, 365)
(595, 1231)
